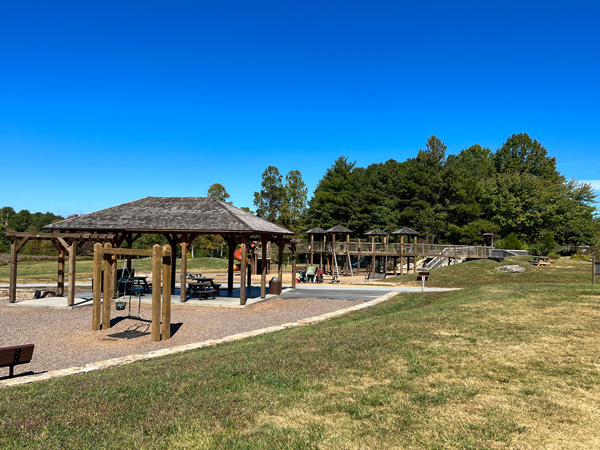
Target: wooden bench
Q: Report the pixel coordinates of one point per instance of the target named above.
(206, 292)
(12, 356)
(375, 276)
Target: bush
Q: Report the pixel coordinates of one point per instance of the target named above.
(510, 242)
(553, 255)
(580, 257)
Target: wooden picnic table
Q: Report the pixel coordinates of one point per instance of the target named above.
(203, 289)
(540, 261)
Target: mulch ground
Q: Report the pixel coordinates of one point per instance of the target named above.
(63, 338)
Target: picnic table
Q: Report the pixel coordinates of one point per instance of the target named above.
(204, 286)
(540, 261)
(130, 284)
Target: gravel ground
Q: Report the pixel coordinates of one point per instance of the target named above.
(63, 338)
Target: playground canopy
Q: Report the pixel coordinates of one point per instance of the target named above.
(180, 220)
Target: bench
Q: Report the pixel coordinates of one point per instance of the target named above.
(204, 293)
(375, 276)
(12, 356)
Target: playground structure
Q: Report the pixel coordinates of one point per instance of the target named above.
(346, 257)
(105, 290)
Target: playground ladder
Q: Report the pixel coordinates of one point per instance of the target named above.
(337, 269)
(350, 264)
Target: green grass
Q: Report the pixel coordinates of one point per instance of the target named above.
(45, 271)
(507, 363)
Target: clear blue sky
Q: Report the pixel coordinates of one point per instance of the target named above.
(104, 102)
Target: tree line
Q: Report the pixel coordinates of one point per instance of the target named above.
(515, 192)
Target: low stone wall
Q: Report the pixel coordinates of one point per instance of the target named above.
(22, 293)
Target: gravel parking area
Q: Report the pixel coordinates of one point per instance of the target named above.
(64, 338)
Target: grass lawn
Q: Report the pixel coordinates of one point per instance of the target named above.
(512, 361)
(45, 271)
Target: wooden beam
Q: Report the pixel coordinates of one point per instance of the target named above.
(12, 294)
(156, 283)
(107, 294)
(243, 269)
(183, 282)
(72, 273)
(231, 245)
(128, 251)
(96, 305)
(22, 243)
(293, 248)
(60, 282)
(166, 293)
(263, 268)
(280, 257)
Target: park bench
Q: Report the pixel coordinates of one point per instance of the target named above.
(12, 356)
(375, 276)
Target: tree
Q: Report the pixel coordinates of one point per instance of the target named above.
(520, 154)
(294, 203)
(218, 191)
(335, 196)
(270, 199)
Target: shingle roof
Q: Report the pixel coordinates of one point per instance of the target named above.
(406, 231)
(171, 214)
(316, 230)
(377, 232)
(339, 229)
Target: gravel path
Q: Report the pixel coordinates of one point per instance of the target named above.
(63, 338)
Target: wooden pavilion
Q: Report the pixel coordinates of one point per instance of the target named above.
(382, 236)
(180, 220)
(320, 232)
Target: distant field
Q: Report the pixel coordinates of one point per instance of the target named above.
(511, 361)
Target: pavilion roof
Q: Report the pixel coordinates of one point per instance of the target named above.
(376, 232)
(171, 214)
(339, 229)
(406, 231)
(316, 230)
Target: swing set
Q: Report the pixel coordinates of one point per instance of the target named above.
(161, 283)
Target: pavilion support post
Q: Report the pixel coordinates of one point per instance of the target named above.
(250, 252)
(173, 243)
(323, 266)
(60, 282)
(263, 268)
(243, 269)
(12, 295)
(183, 282)
(312, 250)
(97, 302)
(231, 245)
(156, 283)
(293, 248)
(129, 240)
(72, 261)
(280, 245)
(107, 294)
(166, 293)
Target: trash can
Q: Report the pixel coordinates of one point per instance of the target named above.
(275, 286)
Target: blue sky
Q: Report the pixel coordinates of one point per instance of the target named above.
(106, 102)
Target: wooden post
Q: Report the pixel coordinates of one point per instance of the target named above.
(97, 302)
(72, 257)
(373, 257)
(183, 282)
(166, 292)
(312, 250)
(12, 295)
(231, 245)
(129, 241)
(593, 270)
(415, 257)
(402, 255)
(107, 294)
(156, 283)
(60, 284)
(263, 275)
(280, 244)
(250, 253)
(243, 269)
(293, 248)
